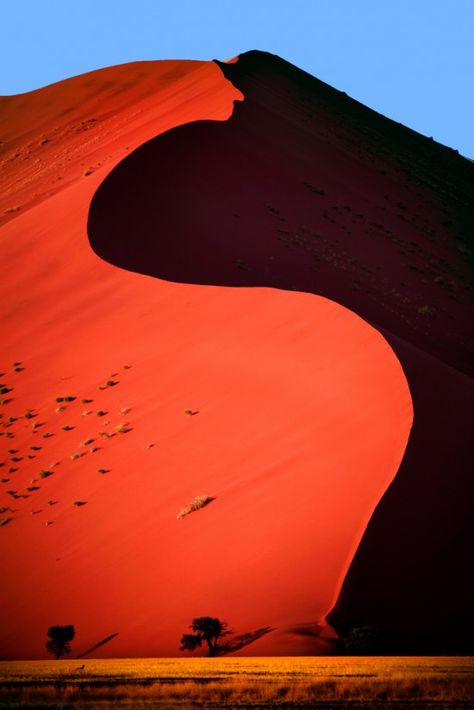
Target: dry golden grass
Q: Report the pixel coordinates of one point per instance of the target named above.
(239, 682)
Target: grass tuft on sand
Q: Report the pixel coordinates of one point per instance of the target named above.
(196, 504)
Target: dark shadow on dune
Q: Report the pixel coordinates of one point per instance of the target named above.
(305, 189)
(313, 630)
(236, 643)
(97, 645)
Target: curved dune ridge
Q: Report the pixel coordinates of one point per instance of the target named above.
(300, 414)
(300, 418)
(304, 189)
(287, 409)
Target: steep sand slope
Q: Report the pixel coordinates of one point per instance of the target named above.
(54, 136)
(305, 189)
(298, 410)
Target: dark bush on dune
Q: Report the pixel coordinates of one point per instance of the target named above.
(365, 641)
(208, 629)
(60, 638)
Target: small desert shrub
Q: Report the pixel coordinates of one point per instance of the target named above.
(78, 503)
(103, 470)
(101, 413)
(45, 473)
(86, 401)
(33, 488)
(196, 504)
(123, 428)
(29, 414)
(68, 428)
(109, 383)
(425, 310)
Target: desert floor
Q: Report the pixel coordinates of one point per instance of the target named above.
(327, 682)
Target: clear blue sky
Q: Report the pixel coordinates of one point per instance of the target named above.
(412, 60)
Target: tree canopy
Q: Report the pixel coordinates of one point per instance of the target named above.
(60, 637)
(206, 629)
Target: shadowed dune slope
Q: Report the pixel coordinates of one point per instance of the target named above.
(304, 189)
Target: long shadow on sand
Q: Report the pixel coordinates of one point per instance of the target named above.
(305, 189)
(238, 642)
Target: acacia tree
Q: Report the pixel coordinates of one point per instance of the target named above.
(60, 637)
(208, 629)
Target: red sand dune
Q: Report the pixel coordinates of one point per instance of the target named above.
(300, 409)
(305, 189)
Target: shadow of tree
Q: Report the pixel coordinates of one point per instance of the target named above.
(238, 642)
(97, 645)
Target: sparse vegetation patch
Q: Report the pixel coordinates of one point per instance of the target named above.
(196, 504)
(123, 428)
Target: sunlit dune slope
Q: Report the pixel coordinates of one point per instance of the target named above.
(305, 189)
(53, 137)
